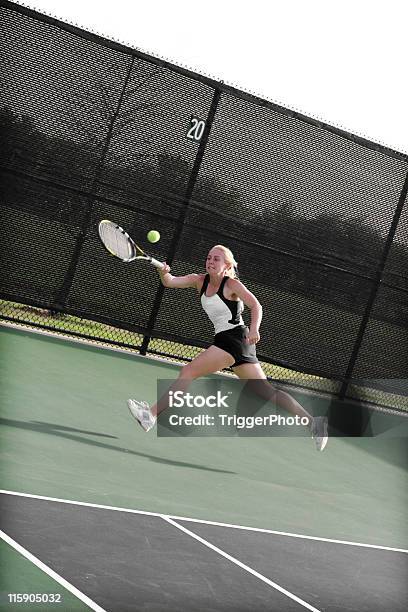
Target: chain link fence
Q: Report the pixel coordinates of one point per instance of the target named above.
(316, 217)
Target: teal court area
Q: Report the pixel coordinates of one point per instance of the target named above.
(66, 434)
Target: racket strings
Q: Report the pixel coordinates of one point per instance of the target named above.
(116, 242)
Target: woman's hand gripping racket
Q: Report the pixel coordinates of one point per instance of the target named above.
(120, 244)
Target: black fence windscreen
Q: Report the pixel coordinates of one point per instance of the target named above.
(316, 217)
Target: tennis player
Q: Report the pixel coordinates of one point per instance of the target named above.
(223, 298)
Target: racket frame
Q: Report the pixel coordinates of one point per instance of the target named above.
(134, 248)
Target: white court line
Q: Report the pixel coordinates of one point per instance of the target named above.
(67, 585)
(242, 565)
(204, 522)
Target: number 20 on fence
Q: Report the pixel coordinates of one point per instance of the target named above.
(195, 129)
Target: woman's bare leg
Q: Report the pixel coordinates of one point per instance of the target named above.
(211, 360)
(263, 388)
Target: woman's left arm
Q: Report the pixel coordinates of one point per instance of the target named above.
(255, 307)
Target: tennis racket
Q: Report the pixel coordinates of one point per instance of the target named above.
(120, 244)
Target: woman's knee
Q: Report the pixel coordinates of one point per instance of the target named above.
(263, 388)
(188, 372)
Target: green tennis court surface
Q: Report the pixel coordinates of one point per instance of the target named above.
(19, 575)
(66, 433)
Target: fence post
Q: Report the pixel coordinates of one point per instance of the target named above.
(373, 294)
(63, 292)
(180, 221)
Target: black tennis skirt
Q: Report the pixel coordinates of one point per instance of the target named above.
(233, 342)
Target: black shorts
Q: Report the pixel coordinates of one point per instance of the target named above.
(233, 342)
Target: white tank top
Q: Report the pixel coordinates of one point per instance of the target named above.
(224, 314)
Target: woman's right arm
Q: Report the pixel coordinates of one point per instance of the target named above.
(178, 282)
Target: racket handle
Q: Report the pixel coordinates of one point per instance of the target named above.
(156, 263)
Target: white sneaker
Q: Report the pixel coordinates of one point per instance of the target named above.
(319, 432)
(141, 412)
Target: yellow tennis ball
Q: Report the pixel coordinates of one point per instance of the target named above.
(153, 236)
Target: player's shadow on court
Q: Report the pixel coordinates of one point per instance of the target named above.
(62, 431)
(54, 426)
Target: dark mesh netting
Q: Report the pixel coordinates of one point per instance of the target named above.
(316, 217)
